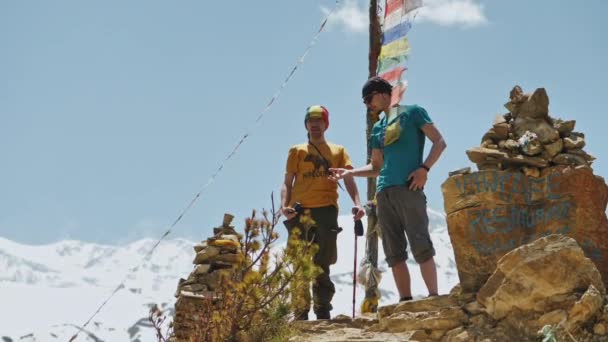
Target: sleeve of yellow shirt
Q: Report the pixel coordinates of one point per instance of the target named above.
(346, 162)
(292, 160)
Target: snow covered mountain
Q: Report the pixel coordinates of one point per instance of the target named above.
(48, 291)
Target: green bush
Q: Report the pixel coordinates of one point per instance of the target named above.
(254, 300)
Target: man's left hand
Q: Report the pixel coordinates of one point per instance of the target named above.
(417, 179)
(358, 212)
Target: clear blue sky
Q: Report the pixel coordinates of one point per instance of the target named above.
(114, 114)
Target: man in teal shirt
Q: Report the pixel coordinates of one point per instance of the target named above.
(397, 142)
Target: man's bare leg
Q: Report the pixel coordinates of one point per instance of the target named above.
(401, 274)
(429, 274)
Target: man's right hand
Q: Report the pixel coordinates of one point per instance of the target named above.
(289, 212)
(338, 173)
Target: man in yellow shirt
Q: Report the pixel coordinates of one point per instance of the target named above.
(307, 183)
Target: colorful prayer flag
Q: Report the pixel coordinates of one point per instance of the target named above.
(393, 75)
(397, 48)
(398, 19)
(396, 32)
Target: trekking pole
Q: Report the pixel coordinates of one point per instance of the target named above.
(358, 232)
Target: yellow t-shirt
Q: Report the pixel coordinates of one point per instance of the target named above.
(312, 188)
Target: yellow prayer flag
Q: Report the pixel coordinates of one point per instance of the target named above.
(397, 48)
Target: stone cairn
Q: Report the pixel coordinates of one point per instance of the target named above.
(528, 139)
(216, 256)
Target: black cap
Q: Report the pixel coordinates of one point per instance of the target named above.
(377, 84)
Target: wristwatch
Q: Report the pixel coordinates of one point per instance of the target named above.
(425, 167)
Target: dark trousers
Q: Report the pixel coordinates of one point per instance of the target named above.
(324, 233)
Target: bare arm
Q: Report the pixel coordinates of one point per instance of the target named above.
(370, 170)
(419, 176)
(439, 144)
(352, 189)
(286, 195)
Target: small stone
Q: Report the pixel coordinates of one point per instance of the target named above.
(516, 93)
(552, 318)
(206, 254)
(501, 130)
(531, 171)
(508, 144)
(569, 159)
(220, 265)
(200, 246)
(436, 335)
(227, 219)
(599, 329)
(463, 171)
(229, 257)
(499, 119)
(462, 337)
(419, 335)
(586, 308)
(491, 135)
(473, 308)
(202, 269)
(534, 148)
(479, 154)
(554, 148)
(486, 143)
(230, 237)
(479, 320)
(583, 154)
(564, 127)
(574, 142)
(195, 288)
(526, 160)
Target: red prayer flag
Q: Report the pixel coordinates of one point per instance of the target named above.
(394, 74)
(392, 6)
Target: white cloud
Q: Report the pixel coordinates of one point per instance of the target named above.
(452, 13)
(352, 15)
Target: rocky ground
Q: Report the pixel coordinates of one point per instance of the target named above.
(546, 289)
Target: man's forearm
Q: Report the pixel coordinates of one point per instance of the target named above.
(435, 153)
(365, 171)
(351, 187)
(285, 196)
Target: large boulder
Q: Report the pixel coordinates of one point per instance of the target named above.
(490, 213)
(539, 276)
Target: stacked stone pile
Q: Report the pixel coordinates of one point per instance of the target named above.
(216, 256)
(529, 139)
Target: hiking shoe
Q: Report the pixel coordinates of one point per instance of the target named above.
(405, 299)
(322, 315)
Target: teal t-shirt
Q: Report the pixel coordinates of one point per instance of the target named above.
(404, 155)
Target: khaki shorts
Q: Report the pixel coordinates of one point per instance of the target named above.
(401, 213)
